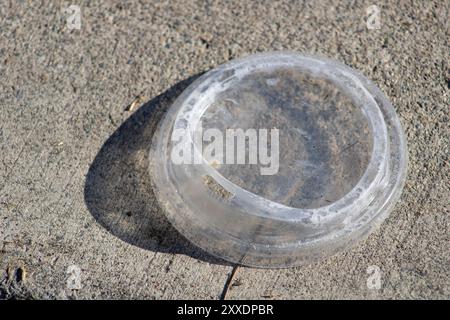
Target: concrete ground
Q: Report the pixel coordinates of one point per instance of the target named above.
(78, 218)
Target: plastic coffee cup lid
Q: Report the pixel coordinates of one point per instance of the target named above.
(278, 159)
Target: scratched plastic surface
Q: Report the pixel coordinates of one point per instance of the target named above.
(330, 169)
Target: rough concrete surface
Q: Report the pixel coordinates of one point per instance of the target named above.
(78, 109)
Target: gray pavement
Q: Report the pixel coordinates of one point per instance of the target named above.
(78, 217)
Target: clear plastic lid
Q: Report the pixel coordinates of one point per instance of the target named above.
(278, 159)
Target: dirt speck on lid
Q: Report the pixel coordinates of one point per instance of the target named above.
(216, 188)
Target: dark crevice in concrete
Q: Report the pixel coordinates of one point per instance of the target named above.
(228, 282)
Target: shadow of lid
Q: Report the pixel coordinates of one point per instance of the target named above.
(118, 191)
